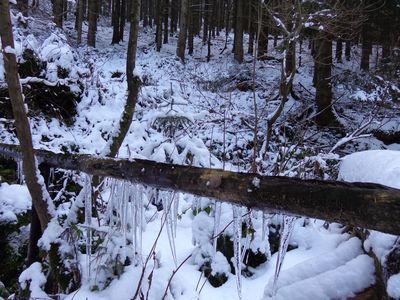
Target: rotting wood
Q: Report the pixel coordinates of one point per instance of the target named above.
(366, 205)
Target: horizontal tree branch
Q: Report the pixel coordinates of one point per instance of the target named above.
(367, 205)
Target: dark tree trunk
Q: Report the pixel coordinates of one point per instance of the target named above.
(339, 50)
(116, 20)
(79, 21)
(263, 35)
(145, 13)
(122, 19)
(23, 6)
(65, 9)
(191, 14)
(366, 48)
(92, 18)
(174, 16)
(165, 16)
(159, 18)
(348, 50)
(323, 94)
(58, 12)
(35, 233)
(238, 52)
(180, 49)
(206, 22)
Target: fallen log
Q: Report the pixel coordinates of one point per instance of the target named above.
(366, 205)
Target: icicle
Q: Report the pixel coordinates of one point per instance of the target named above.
(137, 226)
(266, 220)
(51, 177)
(246, 244)
(286, 231)
(175, 213)
(140, 221)
(167, 203)
(237, 247)
(88, 222)
(20, 172)
(217, 221)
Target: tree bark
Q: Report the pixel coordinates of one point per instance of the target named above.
(58, 12)
(180, 49)
(366, 48)
(79, 21)
(92, 18)
(31, 172)
(165, 19)
(159, 19)
(323, 94)
(116, 16)
(122, 20)
(238, 51)
(339, 50)
(23, 6)
(366, 205)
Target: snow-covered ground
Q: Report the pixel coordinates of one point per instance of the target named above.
(215, 120)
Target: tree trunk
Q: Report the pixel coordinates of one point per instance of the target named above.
(206, 22)
(348, 50)
(365, 205)
(174, 16)
(159, 18)
(180, 49)
(191, 28)
(323, 94)
(339, 50)
(263, 35)
(23, 6)
(122, 19)
(165, 19)
(116, 15)
(133, 81)
(38, 192)
(58, 12)
(366, 48)
(92, 18)
(79, 21)
(238, 52)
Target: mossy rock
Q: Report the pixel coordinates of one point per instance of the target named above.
(8, 170)
(252, 259)
(274, 238)
(31, 65)
(215, 280)
(52, 101)
(11, 263)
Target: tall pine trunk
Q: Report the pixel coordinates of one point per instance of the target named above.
(238, 44)
(180, 49)
(58, 12)
(92, 17)
(79, 21)
(323, 95)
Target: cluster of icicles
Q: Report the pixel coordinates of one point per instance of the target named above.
(125, 214)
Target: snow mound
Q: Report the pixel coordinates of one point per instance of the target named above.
(339, 274)
(375, 166)
(393, 286)
(14, 200)
(340, 283)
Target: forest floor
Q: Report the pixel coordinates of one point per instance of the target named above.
(204, 113)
